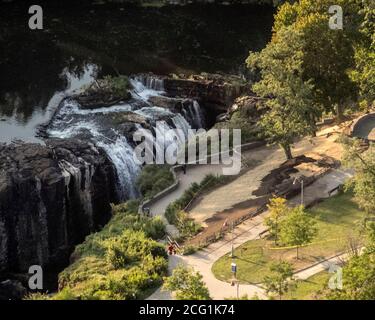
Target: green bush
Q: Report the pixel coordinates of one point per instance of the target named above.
(209, 181)
(189, 249)
(122, 261)
(118, 85)
(154, 179)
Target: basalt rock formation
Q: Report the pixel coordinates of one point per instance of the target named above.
(51, 197)
(214, 93)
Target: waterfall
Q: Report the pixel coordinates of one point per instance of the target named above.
(99, 127)
(82, 189)
(121, 155)
(180, 123)
(198, 114)
(193, 113)
(151, 82)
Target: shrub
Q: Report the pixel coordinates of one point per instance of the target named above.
(154, 179)
(118, 85)
(190, 249)
(36, 296)
(175, 213)
(122, 261)
(154, 228)
(187, 284)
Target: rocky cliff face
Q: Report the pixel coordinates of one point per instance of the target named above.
(214, 94)
(51, 197)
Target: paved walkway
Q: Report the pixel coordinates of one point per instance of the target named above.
(249, 230)
(265, 159)
(193, 174)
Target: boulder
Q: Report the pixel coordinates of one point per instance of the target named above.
(104, 93)
(252, 106)
(172, 104)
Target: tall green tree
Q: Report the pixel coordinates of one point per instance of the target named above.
(364, 72)
(187, 284)
(280, 280)
(292, 110)
(363, 162)
(297, 229)
(358, 275)
(328, 55)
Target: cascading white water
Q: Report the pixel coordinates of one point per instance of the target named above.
(198, 114)
(121, 155)
(192, 111)
(72, 121)
(70, 171)
(151, 82)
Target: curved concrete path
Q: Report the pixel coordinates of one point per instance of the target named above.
(266, 158)
(193, 174)
(203, 260)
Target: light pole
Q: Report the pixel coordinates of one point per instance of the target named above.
(302, 191)
(232, 240)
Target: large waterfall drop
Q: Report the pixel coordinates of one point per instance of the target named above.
(100, 127)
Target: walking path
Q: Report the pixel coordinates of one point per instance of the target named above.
(250, 230)
(240, 190)
(265, 159)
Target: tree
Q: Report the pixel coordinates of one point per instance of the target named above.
(327, 54)
(358, 274)
(280, 280)
(363, 183)
(364, 73)
(186, 284)
(292, 111)
(297, 229)
(278, 209)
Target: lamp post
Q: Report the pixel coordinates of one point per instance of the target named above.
(232, 240)
(302, 189)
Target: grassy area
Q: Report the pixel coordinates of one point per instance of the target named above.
(153, 179)
(310, 288)
(337, 221)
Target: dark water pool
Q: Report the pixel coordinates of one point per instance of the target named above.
(81, 42)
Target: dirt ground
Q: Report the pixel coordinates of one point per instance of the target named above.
(236, 199)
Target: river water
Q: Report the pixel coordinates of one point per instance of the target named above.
(81, 42)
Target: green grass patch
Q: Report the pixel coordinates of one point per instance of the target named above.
(338, 220)
(309, 289)
(154, 179)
